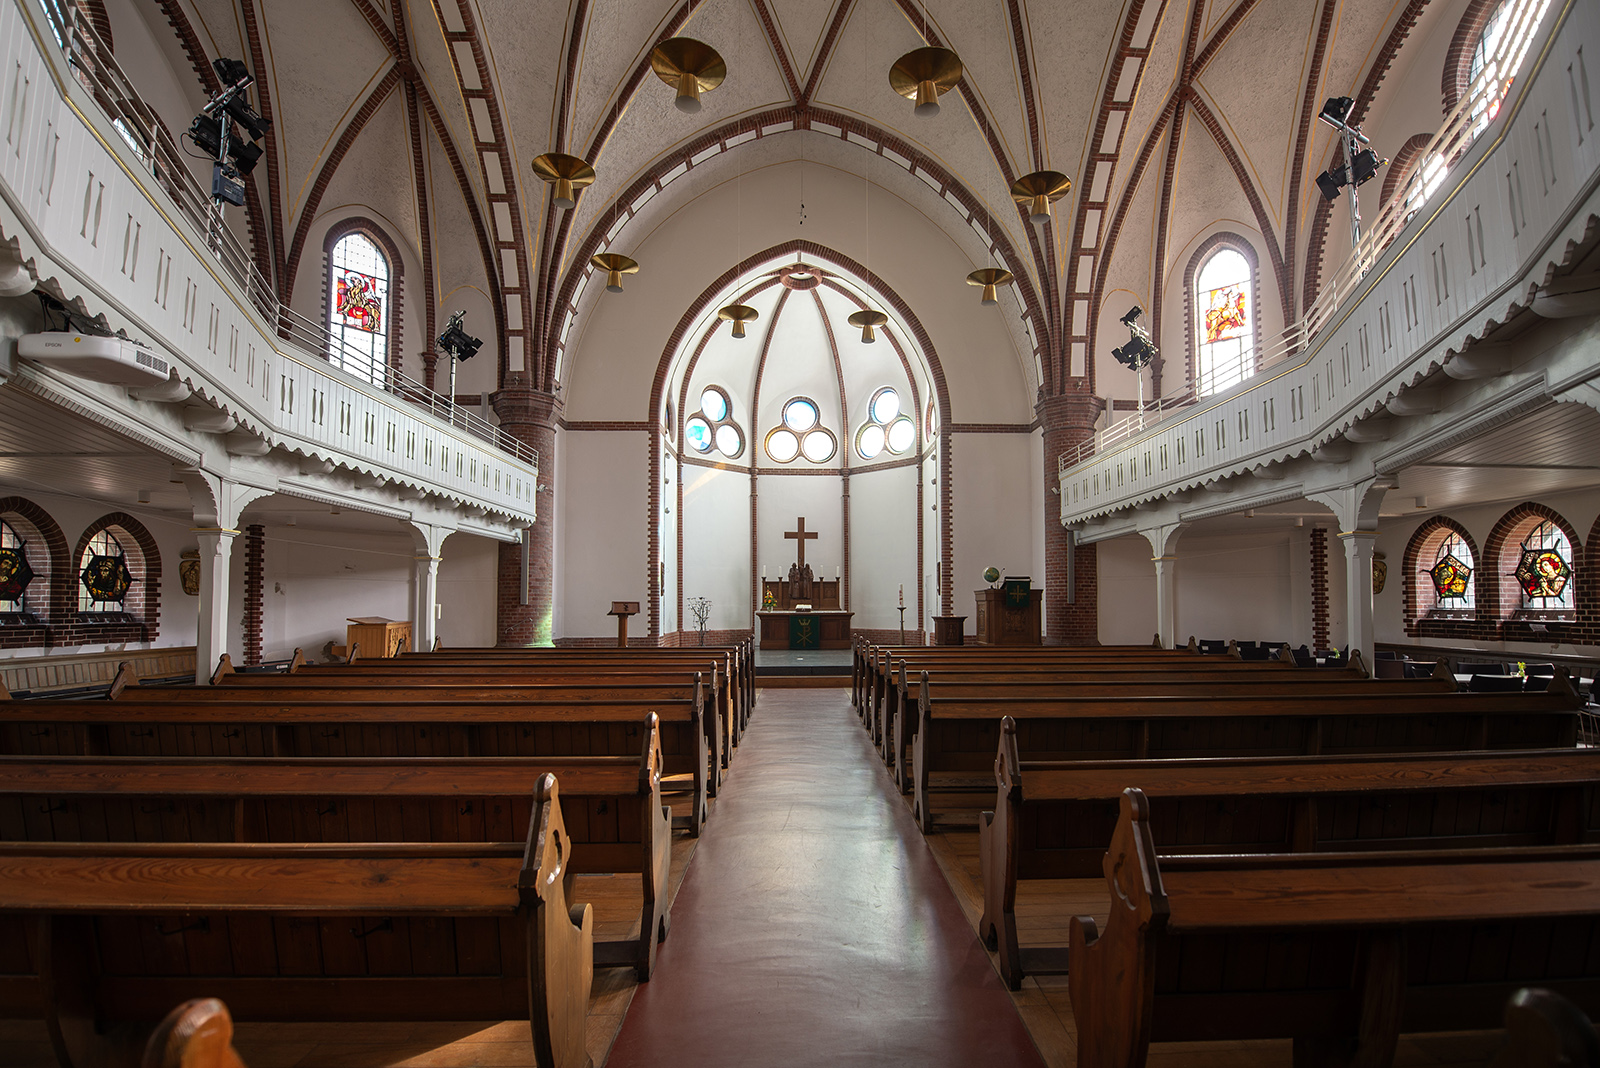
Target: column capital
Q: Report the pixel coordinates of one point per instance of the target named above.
(1069, 411)
(518, 404)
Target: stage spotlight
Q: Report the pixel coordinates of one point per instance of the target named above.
(1132, 317)
(1335, 110)
(1331, 182)
(456, 341)
(1365, 165)
(230, 71)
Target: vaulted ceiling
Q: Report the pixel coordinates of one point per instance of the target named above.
(1170, 116)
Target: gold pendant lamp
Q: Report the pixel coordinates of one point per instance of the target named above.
(1039, 190)
(738, 315)
(925, 74)
(615, 267)
(989, 278)
(567, 174)
(689, 66)
(868, 321)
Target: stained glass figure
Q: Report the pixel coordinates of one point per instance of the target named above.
(1450, 577)
(15, 574)
(1225, 331)
(356, 298)
(107, 578)
(1543, 572)
(1225, 314)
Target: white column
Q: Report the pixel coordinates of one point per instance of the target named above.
(426, 627)
(1358, 590)
(211, 636)
(1166, 599)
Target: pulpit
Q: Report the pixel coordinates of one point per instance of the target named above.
(377, 636)
(1010, 615)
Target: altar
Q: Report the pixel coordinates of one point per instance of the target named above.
(801, 611)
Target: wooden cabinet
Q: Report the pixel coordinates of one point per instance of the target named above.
(1001, 624)
(377, 636)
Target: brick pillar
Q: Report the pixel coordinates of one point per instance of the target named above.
(1067, 420)
(1319, 588)
(530, 416)
(255, 542)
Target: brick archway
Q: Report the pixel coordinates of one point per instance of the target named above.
(1418, 623)
(144, 597)
(57, 575)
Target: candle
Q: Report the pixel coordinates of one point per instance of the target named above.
(836, 570)
(902, 594)
(763, 573)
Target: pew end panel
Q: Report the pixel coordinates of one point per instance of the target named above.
(560, 939)
(196, 1034)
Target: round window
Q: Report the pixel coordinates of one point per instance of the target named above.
(902, 435)
(885, 406)
(783, 445)
(729, 440)
(869, 443)
(800, 415)
(698, 431)
(714, 404)
(818, 446)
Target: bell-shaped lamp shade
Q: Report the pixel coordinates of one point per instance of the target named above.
(925, 74)
(1038, 191)
(868, 321)
(615, 267)
(691, 67)
(565, 174)
(989, 278)
(738, 315)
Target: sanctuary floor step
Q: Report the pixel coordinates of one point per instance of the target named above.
(815, 927)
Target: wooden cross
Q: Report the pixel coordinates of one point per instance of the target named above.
(801, 535)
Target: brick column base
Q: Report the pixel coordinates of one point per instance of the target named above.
(254, 550)
(1319, 589)
(530, 416)
(1067, 420)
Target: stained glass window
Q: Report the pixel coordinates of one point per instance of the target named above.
(359, 313)
(15, 572)
(1452, 574)
(103, 575)
(1544, 571)
(1224, 322)
(712, 427)
(1497, 54)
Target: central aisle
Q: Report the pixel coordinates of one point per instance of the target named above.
(814, 927)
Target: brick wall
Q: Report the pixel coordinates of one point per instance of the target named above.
(255, 540)
(1066, 421)
(1319, 588)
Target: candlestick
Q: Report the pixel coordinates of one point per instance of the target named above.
(902, 593)
(836, 571)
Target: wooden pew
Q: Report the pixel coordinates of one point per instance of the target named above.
(955, 742)
(196, 1034)
(202, 726)
(898, 721)
(491, 933)
(613, 811)
(1341, 952)
(1052, 819)
(379, 674)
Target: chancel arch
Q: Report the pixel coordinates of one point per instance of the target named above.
(800, 420)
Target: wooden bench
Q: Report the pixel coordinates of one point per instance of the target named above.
(202, 726)
(123, 931)
(612, 809)
(956, 740)
(1052, 819)
(1341, 952)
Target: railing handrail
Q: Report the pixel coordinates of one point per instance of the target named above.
(1454, 137)
(99, 73)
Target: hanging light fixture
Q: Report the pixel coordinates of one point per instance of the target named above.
(925, 74)
(989, 278)
(689, 66)
(615, 267)
(567, 174)
(868, 321)
(1039, 190)
(738, 315)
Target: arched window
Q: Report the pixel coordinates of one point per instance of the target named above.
(1442, 581)
(1488, 48)
(21, 596)
(1451, 575)
(1223, 314)
(1544, 569)
(104, 577)
(359, 306)
(118, 578)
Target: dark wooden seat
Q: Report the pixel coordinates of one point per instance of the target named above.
(1052, 819)
(102, 932)
(612, 808)
(955, 742)
(360, 725)
(1341, 952)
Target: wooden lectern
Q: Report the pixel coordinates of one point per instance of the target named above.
(378, 637)
(623, 610)
(1009, 615)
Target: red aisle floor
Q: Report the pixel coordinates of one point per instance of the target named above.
(814, 927)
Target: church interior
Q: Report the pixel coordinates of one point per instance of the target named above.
(504, 385)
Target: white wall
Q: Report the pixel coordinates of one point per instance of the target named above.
(468, 576)
(600, 559)
(883, 547)
(325, 577)
(716, 543)
(995, 518)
